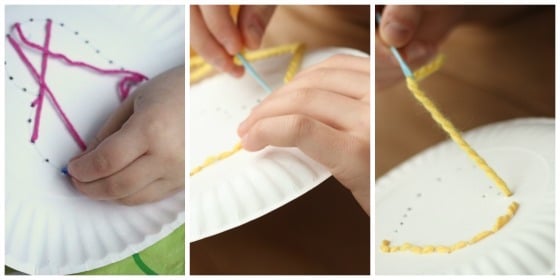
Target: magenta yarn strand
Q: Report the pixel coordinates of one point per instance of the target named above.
(50, 95)
(69, 61)
(41, 97)
(135, 77)
(125, 84)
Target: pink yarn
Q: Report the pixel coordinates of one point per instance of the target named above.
(64, 58)
(39, 100)
(130, 79)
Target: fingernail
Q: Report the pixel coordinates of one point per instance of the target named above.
(396, 32)
(242, 128)
(416, 51)
(219, 63)
(230, 48)
(69, 167)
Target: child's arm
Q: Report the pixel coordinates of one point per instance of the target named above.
(216, 37)
(139, 154)
(325, 112)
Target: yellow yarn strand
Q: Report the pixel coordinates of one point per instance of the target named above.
(412, 84)
(455, 135)
(295, 63)
(200, 72)
(201, 69)
(213, 159)
(443, 249)
(448, 127)
(429, 68)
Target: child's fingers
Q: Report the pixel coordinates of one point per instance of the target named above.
(114, 123)
(349, 83)
(111, 155)
(221, 26)
(116, 120)
(136, 176)
(208, 47)
(319, 141)
(418, 51)
(345, 155)
(399, 23)
(314, 103)
(252, 21)
(427, 26)
(387, 69)
(341, 61)
(155, 191)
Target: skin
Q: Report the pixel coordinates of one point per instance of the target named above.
(307, 109)
(216, 37)
(138, 155)
(306, 114)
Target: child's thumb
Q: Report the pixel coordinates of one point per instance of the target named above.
(398, 24)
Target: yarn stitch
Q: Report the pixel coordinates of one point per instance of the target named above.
(447, 126)
(130, 79)
(200, 69)
(455, 135)
(442, 249)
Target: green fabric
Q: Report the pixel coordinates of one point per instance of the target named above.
(140, 263)
(165, 257)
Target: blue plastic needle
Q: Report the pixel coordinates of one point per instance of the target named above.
(64, 170)
(402, 63)
(254, 73)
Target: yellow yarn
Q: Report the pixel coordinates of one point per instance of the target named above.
(429, 68)
(213, 159)
(200, 69)
(446, 125)
(455, 135)
(442, 249)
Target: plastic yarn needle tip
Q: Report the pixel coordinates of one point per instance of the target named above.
(253, 73)
(64, 170)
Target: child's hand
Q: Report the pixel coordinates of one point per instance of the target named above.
(138, 156)
(216, 37)
(324, 112)
(416, 31)
(419, 30)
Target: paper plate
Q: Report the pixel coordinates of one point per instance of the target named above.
(440, 197)
(50, 227)
(247, 185)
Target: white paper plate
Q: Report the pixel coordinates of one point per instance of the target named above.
(246, 185)
(440, 197)
(50, 227)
